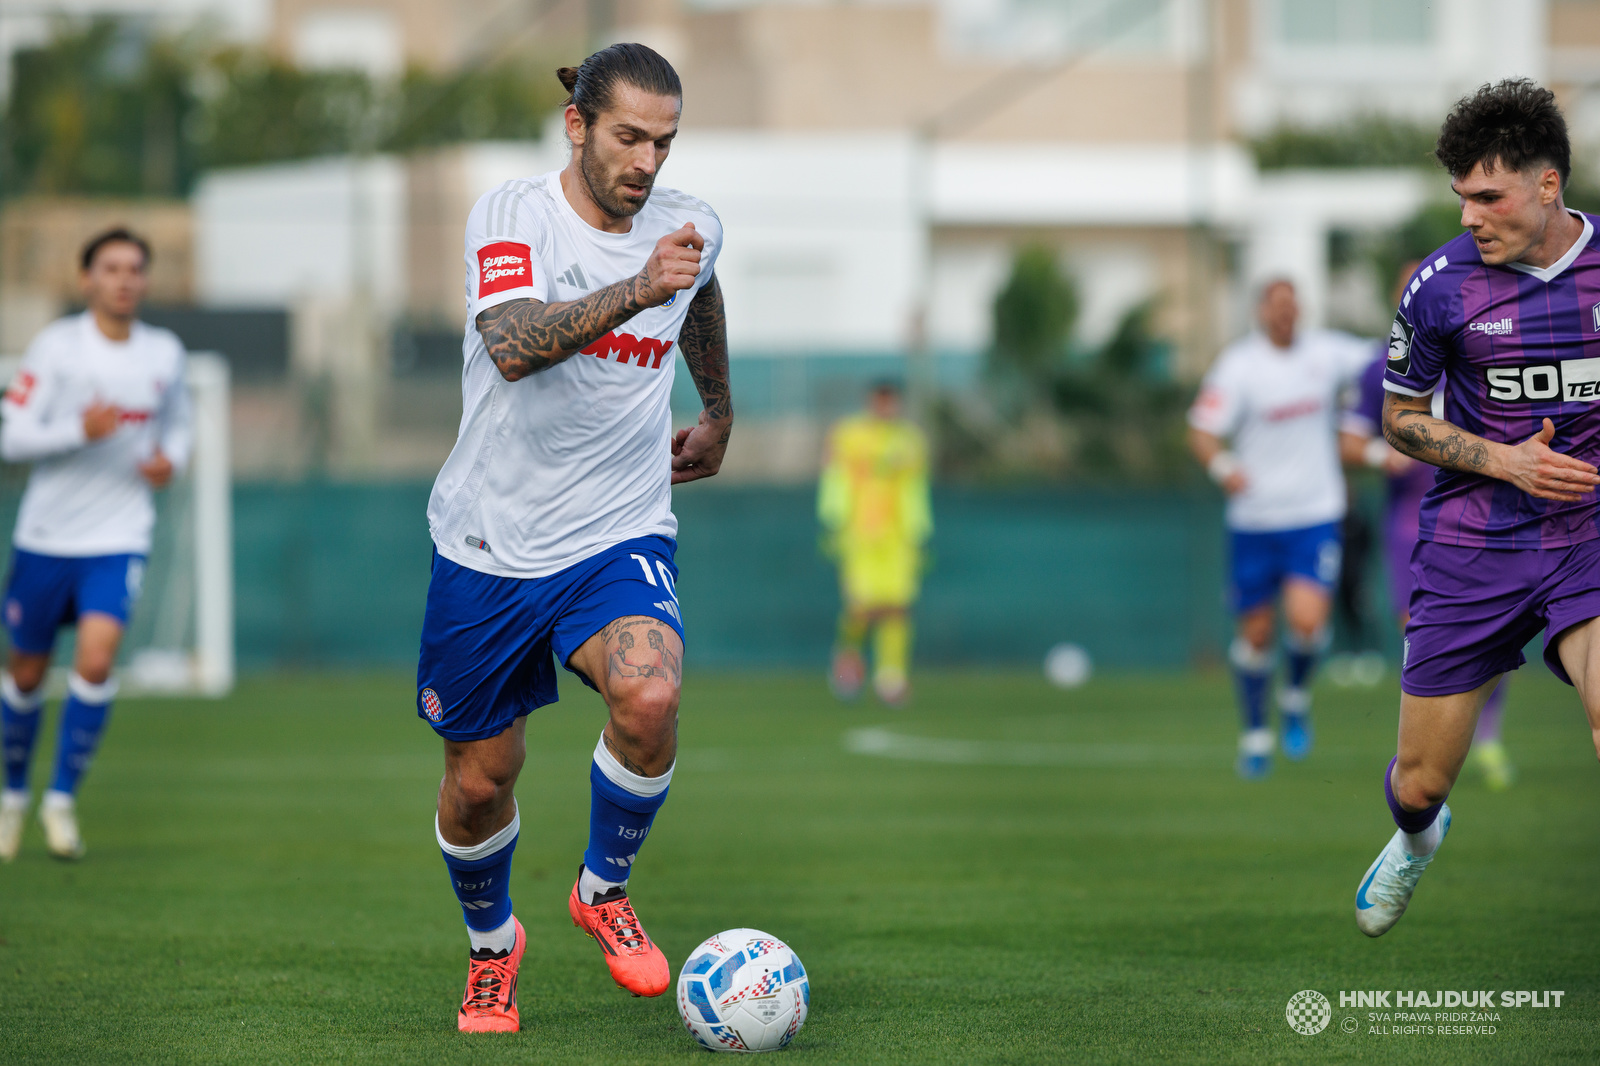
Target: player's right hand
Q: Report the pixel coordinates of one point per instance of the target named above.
(100, 420)
(1538, 471)
(1235, 483)
(674, 265)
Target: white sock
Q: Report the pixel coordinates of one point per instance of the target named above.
(501, 938)
(14, 799)
(591, 886)
(1421, 845)
(54, 800)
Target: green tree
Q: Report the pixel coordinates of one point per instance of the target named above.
(260, 109)
(1033, 317)
(99, 109)
(107, 107)
(1367, 141)
(507, 101)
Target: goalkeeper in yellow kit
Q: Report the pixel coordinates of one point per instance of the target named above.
(873, 504)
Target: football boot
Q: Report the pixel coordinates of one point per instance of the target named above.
(59, 816)
(636, 963)
(1386, 890)
(490, 1002)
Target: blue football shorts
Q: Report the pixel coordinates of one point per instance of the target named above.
(46, 592)
(1260, 561)
(490, 643)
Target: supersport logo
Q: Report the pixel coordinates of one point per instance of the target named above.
(502, 265)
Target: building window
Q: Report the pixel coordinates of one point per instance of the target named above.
(1354, 22)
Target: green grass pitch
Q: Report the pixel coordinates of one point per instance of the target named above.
(1036, 876)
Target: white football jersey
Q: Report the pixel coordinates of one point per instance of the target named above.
(88, 497)
(1280, 408)
(551, 469)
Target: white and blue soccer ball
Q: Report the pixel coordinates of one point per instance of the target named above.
(743, 990)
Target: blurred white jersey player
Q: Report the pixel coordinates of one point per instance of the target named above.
(101, 409)
(1265, 425)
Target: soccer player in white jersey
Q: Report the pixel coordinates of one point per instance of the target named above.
(101, 409)
(552, 519)
(1275, 394)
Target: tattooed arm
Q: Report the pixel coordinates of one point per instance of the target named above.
(698, 452)
(527, 336)
(1409, 426)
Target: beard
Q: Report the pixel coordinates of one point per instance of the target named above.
(607, 192)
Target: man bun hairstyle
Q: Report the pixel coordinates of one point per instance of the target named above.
(1513, 124)
(592, 86)
(111, 236)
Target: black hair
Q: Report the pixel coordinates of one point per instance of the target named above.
(112, 236)
(592, 85)
(1513, 124)
(886, 385)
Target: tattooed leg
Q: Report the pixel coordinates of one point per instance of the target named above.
(637, 664)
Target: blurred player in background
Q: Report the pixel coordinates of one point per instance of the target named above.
(1361, 443)
(1275, 396)
(552, 518)
(873, 504)
(1502, 319)
(101, 409)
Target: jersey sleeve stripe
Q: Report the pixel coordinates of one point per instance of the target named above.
(1402, 390)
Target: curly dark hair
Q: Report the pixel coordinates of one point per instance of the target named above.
(1513, 124)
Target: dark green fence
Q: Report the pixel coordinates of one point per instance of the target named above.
(335, 575)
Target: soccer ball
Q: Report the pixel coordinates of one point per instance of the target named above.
(743, 990)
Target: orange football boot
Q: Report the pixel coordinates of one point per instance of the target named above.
(490, 1002)
(636, 963)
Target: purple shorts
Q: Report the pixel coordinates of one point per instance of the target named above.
(1473, 610)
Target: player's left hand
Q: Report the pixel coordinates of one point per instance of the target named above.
(157, 470)
(1397, 463)
(697, 452)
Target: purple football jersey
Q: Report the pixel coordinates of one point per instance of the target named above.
(1512, 346)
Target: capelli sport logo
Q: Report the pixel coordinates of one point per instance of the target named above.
(1400, 335)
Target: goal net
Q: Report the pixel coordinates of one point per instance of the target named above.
(180, 639)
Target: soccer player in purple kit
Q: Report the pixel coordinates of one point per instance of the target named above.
(1361, 443)
(1508, 316)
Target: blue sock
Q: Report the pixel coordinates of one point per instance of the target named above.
(19, 711)
(83, 719)
(1252, 671)
(481, 876)
(622, 806)
(1302, 653)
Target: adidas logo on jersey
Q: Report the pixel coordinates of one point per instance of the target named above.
(573, 276)
(671, 608)
(1498, 328)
